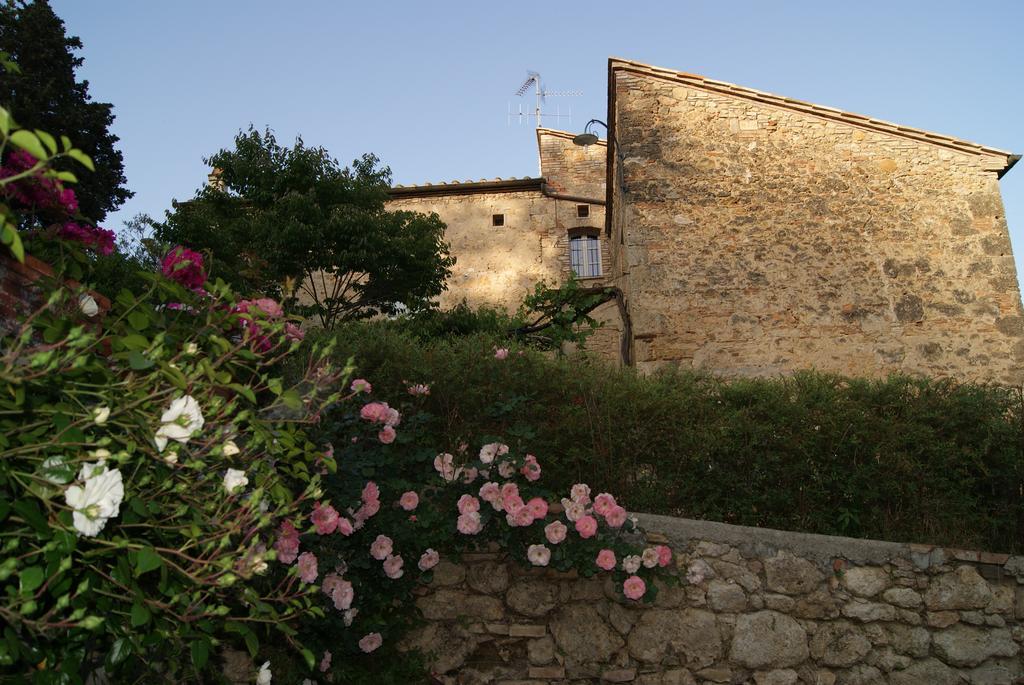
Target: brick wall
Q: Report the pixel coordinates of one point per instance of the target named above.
(757, 238)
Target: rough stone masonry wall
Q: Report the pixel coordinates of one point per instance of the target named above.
(764, 608)
(760, 239)
(498, 266)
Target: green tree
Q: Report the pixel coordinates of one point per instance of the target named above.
(291, 223)
(45, 94)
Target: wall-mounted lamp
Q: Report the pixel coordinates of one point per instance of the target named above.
(588, 137)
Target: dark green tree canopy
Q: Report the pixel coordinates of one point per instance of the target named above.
(291, 223)
(47, 96)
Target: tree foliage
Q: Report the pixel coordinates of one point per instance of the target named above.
(45, 94)
(290, 222)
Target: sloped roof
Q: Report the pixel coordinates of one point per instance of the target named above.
(468, 187)
(1008, 159)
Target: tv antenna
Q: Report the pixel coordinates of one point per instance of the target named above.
(540, 93)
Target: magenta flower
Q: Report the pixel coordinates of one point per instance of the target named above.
(501, 353)
(293, 332)
(664, 555)
(184, 266)
(287, 544)
(345, 526)
(371, 492)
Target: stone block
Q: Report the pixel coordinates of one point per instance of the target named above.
(619, 675)
(961, 589)
(866, 581)
(768, 639)
(526, 630)
(546, 672)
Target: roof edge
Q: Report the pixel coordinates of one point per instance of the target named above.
(563, 134)
(469, 188)
(831, 113)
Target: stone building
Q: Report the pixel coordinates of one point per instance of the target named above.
(753, 234)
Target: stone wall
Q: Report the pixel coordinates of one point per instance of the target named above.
(759, 235)
(497, 266)
(759, 607)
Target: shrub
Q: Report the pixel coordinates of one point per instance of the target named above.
(900, 458)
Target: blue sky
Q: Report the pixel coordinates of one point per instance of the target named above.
(426, 86)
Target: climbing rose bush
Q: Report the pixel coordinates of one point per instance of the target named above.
(396, 507)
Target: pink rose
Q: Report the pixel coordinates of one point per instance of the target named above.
(586, 526)
(345, 526)
(371, 642)
(509, 490)
(409, 500)
(444, 465)
(307, 567)
(616, 517)
(386, 435)
(339, 590)
(580, 493)
(381, 548)
(419, 389)
(391, 417)
(649, 557)
(361, 385)
(368, 510)
(374, 411)
(491, 450)
(293, 332)
(429, 560)
(606, 559)
(531, 469)
(574, 511)
(324, 518)
(603, 504)
(634, 587)
(269, 307)
(371, 493)
(393, 567)
(287, 544)
(468, 503)
(325, 662)
(539, 555)
(664, 555)
(469, 523)
(501, 353)
(523, 516)
(506, 469)
(513, 504)
(470, 475)
(538, 507)
(490, 492)
(555, 532)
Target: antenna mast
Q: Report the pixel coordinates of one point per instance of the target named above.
(540, 93)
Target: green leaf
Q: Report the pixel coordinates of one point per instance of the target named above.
(140, 615)
(65, 143)
(67, 177)
(134, 341)
(30, 578)
(308, 656)
(147, 560)
(138, 320)
(200, 652)
(245, 391)
(138, 361)
(28, 142)
(81, 158)
(48, 141)
(5, 121)
(9, 237)
(119, 651)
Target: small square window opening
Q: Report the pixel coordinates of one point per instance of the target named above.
(582, 211)
(497, 220)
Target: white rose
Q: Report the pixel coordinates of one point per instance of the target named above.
(264, 676)
(191, 348)
(179, 422)
(234, 480)
(100, 415)
(631, 564)
(88, 305)
(230, 448)
(650, 557)
(96, 500)
(539, 555)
